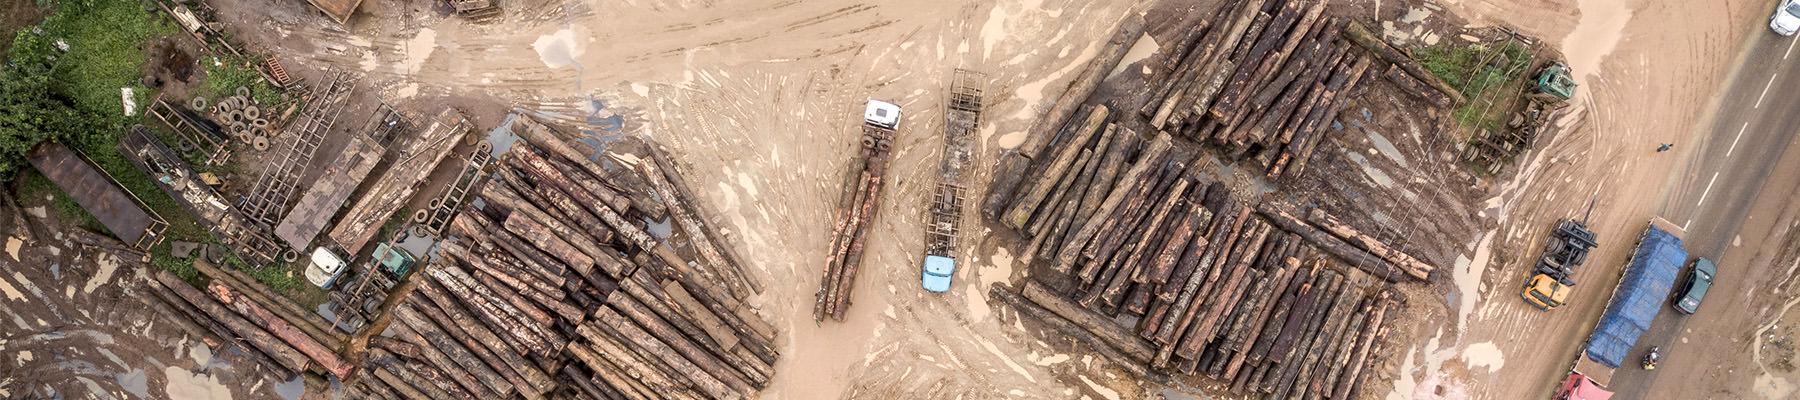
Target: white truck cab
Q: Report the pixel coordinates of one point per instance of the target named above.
(325, 268)
(882, 114)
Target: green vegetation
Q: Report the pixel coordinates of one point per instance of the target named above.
(1487, 75)
(225, 74)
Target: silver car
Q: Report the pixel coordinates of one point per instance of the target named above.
(1786, 19)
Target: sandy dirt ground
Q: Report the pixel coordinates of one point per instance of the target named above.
(1648, 70)
(759, 101)
(76, 322)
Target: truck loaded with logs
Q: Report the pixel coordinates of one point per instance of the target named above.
(856, 209)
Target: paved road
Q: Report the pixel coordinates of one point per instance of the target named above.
(1739, 178)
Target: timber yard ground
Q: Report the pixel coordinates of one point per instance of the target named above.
(757, 103)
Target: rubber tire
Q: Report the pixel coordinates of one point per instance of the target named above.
(198, 103)
(243, 91)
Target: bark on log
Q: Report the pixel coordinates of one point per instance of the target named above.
(1362, 36)
(1026, 205)
(1330, 244)
(644, 368)
(1412, 266)
(707, 380)
(501, 195)
(1353, 376)
(283, 354)
(1157, 149)
(1128, 32)
(1117, 335)
(482, 342)
(744, 377)
(308, 322)
(320, 353)
(736, 282)
(541, 136)
(436, 340)
(1106, 349)
(492, 311)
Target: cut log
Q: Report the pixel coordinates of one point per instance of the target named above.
(1007, 177)
(1113, 333)
(1412, 266)
(1157, 149)
(1362, 36)
(1352, 255)
(280, 328)
(436, 340)
(1034, 192)
(706, 380)
(1106, 349)
(283, 354)
(1353, 376)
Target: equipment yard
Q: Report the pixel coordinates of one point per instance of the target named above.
(801, 199)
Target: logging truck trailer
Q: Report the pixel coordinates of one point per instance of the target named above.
(1637, 299)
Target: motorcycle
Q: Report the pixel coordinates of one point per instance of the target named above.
(1652, 357)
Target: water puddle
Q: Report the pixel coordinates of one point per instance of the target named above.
(135, 383)
(559, 49)
(1143, 48)
(187, 385)
(291, 389)
(1387, 148)
(1484, 355)
(108, 264)
(1467, 275)
(1375, 174)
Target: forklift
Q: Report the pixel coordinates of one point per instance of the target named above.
(1553, 278)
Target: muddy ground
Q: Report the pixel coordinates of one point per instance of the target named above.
(76, 322)
(758, 100)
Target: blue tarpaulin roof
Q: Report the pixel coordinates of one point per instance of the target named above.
(1639, 298)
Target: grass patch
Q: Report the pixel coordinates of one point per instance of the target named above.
(106, 40)
(225, 74)
(1483, 73)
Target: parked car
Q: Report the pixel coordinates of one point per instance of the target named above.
(1699, 279)
(1786, 19)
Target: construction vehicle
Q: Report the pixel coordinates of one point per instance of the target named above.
(1646, 282)
(1554, 275)
(1556, 80)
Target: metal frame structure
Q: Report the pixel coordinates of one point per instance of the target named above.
(275, 188)
(192, 130)
(445, 208)
(175, 177)
(962, 114)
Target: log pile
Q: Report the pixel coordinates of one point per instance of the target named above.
(1264, 80)
(555, 288)
(1218, 285)
(855, 213)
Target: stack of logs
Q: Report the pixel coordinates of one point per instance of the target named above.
(1262, 78)
(856, 212)
(236, 310)
(555, 289)
(1215, 287)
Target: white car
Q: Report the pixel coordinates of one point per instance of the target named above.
(1787, 18)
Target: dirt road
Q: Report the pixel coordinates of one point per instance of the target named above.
(1645, 68)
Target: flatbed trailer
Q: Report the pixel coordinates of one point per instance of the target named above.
(1634, 304)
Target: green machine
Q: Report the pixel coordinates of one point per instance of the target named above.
(396, 262)
(1556, 81)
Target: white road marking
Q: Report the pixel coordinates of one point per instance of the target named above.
(1790, 50)
(1765, 92)
(1685, 225)
(1708, 190)
(1734, 141)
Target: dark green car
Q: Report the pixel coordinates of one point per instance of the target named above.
(1699, 279)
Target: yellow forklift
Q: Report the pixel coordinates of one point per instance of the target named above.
(1553, 278)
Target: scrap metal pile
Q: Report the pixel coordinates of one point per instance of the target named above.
(555, 287)
(1145, 255)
